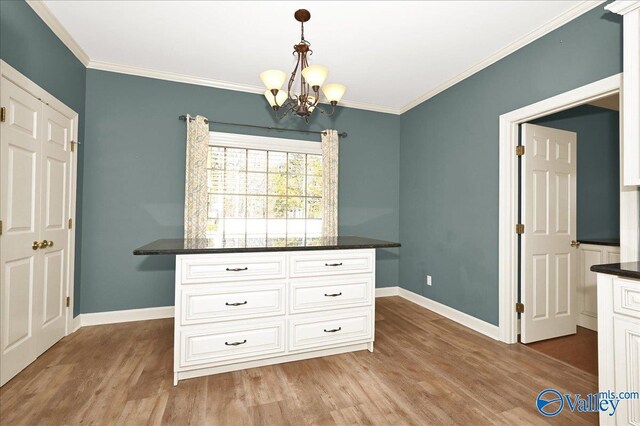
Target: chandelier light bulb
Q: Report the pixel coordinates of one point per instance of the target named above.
(334, 91)
(273, 79)
(315, 75)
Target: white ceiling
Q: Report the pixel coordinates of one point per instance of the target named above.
(388, 54)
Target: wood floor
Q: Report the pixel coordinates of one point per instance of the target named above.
(579, 350)
(425, 370)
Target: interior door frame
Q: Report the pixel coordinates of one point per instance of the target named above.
(23, 82)
(508, 194)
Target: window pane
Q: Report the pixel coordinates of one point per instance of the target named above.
(216, 158)
(295, 207)
(256, 183)
(295, 227)
(257, 160)
(277, 227)
(314, 165)
(236, 159)
(314, 208)
(314, 186)
(235, 182)
(256, 227)
(216, 206)
(234, 227)
(277, 207)
(257, 207)
(296, 163)
(277, 184)
(216, 180)
(314, 227)
(234, 206)
(277, 162)
(295, 185)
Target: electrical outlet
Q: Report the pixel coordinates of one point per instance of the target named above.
(428, 280)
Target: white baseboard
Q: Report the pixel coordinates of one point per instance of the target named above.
(587, 321)
(473, 323)
(467, 320)
(387, 291)
(76, 324)
(128, 315)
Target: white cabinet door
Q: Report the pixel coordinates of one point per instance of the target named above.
(20, 268)
(627, 367)
(549, 262)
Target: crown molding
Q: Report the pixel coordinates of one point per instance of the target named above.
(622, 7)
(219, 84)
(52, 22)
(555, 23)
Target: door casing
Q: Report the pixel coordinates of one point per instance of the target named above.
(508, 195)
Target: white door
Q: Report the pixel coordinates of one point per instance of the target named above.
(34, 197)
(549, 261)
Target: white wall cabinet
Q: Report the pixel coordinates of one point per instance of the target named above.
(619, 345)
(244, 310)
(591, 254)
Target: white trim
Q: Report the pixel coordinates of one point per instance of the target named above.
(508, 192)
(52, 22)
(113, 317)
(466, 320)
(38, 92)
(235, 140)
(545, 29)
(76, 323)
(387, 291)
(622, 7)
(219, 84)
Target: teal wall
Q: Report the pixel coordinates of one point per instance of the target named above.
(134, 179)
(449, 159)
(598, 192)
(28, 45)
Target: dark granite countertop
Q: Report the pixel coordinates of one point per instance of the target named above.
(627, 269)
(241, 245)
(615, 242)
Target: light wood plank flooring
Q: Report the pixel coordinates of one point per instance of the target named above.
(425, 370)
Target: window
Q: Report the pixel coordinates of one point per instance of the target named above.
(263, 189)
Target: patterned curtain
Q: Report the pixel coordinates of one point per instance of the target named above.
(330, 150)
(196, 192)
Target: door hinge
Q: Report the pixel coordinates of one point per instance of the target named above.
(520, 308)
(73, 146)
(520, 228)
(3, 115)
(70, 223)
(520, 150)
(68, 301)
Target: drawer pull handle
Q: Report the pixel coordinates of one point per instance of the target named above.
(236, 303)
(236, 343)
(333, 264)
(333, 295)
(237, 269)
(333, 330)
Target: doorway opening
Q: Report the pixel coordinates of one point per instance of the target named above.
(570, 202)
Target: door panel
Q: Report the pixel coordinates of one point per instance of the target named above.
(549, 263)
(20, 265)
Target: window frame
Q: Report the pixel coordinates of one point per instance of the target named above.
(264, 143)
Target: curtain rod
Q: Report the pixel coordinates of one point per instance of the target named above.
(184, 118)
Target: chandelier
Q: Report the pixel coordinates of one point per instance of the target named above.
(311, 79)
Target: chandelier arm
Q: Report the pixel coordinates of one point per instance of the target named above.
(328, 114)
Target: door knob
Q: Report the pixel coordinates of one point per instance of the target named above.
(575, 244)
(35, 245)
(43, 244)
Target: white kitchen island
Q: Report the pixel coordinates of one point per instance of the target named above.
(244, 306)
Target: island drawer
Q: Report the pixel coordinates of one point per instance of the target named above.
(330, 329)
(315, 294)
(216, 302)
(626, 297)
(197, 269)
(231, 342)
(333, 262)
